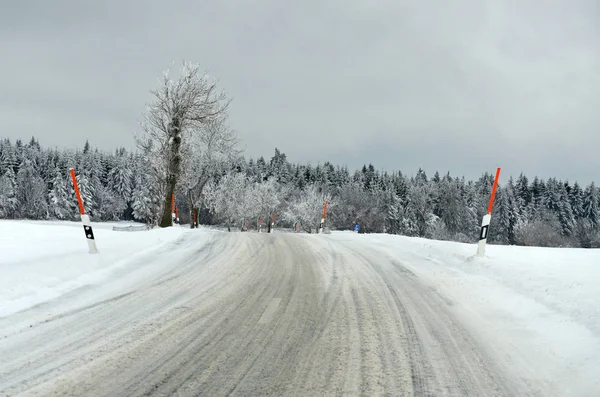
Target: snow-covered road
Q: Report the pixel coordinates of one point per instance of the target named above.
(249, 314)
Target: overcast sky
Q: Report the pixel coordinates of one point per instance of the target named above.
(461, 86)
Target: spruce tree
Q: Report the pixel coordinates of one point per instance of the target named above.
(565, 212)
(141, 201)
(60, 200)
(591, 204)
(576, 200)
(31, 193)
(8, 198)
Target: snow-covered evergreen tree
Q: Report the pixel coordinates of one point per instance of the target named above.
(565, 212)
(395, 215)
(142, 199)
(421, 177)
(505, 217)
(61, 201)
(120, 179)
(452, 206)
(279, 167)
(86, 188)
(522, 195)
(8, 198)
(8, 158)
(591, 206)
(31, 193)
(419, 207)
(576, 200)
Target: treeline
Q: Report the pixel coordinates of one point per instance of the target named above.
(34, 184)
(538, 212)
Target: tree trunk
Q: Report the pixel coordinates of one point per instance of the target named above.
(191, 204)
(199, 189)
(166, 219)
(173, 171)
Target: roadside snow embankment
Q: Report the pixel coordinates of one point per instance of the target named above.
(40, 261)
(537, 308)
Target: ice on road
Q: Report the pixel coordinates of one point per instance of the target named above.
(248, 314)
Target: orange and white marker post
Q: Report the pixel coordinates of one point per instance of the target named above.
(323, 217)
(260, 225)
(272, 222)
(173, 210)
(85, 219)
(485, 224)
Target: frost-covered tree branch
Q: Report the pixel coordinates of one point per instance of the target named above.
(306, 208)
(207, 152)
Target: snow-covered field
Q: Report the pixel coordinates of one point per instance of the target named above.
(41, 260)
(536, 307)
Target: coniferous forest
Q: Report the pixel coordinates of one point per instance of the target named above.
(122, 185)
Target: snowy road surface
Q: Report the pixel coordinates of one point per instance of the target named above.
(247, 314)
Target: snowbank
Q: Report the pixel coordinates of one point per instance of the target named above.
(542, 303)
(40, 261)
(566, 281)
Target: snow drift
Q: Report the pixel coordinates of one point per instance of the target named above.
(40, 261)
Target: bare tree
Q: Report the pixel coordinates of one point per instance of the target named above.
(227, 198)
(181, 107)
(208, 151)
(267, 196)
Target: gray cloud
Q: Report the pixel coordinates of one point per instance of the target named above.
(461, 86)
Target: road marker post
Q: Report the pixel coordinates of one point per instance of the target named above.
(323, 217)
(260, 225)
(173, 210)
(85, 219)
(272, 225)
(485, 223)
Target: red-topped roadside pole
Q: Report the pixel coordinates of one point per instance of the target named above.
(173, 210)
(323, 216)
(485, 224)
(85, 219)
(272, 222)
